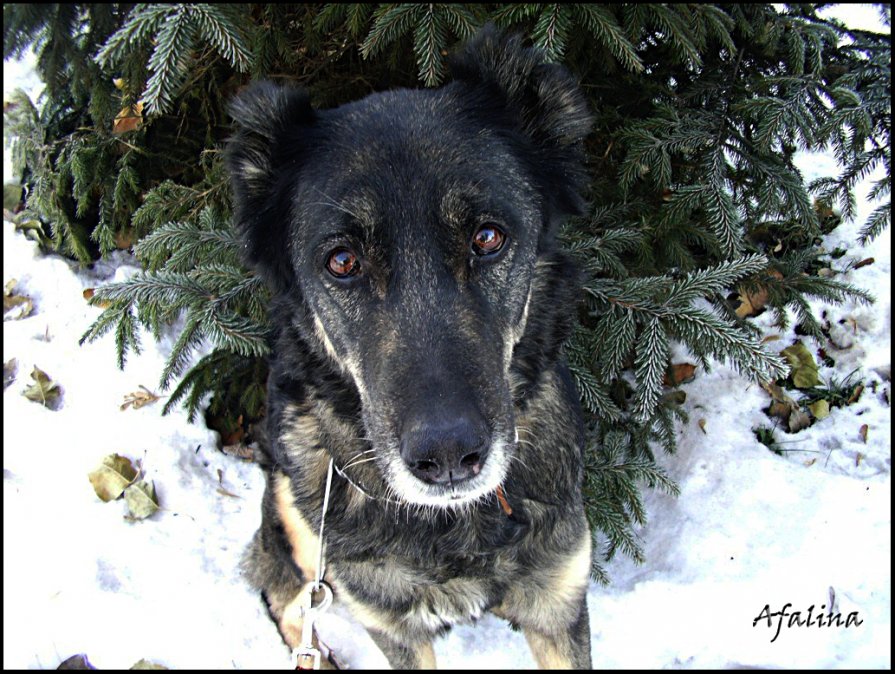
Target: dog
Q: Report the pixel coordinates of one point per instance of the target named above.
(420, 301)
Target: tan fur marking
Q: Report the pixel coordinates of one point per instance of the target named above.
(546, 651)
(426, 656)
(305, 543)
(552, 599)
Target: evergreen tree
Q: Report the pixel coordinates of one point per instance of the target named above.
(699, 110)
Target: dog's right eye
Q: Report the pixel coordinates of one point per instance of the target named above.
(342, 263)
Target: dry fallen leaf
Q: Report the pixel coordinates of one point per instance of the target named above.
(129, 118)
(770, 338)
(798, 420)
(810, 462)
(15, 307)
(863, 433)
(240, 450)
(864, 263)
(9, 371)
(785, 408)
(679, 373)
(139, 398)
(125, 238)
(859, 389)
(701, 423)
(79, 661)
(115, 474)
(88, 295)
(44, 390)
(752, 304)
(146, 664)
(858, 457)
(820, 409)
(803, 368)
(142, 501)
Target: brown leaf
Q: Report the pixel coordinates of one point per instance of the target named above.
(770, 338)
(701, 423)
(753, 303)
(44, 390)
(236, 435)
(9, 371)
(810, 462)
(798, 420)
(76, 662)
(864, 263)
(88, 295)
(16, 306)
(858, 457)
(240, 450)
(785, 408)
(125, 238)
(139, 398)
(679, 373)
(115, 474)
(859, 389)
(129, 118)
(863, 433)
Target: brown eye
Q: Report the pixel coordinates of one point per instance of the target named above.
(488, 240)
(342, 263)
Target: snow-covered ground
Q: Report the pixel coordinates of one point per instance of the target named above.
(750, 528)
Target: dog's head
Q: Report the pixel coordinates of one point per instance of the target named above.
(405, 231)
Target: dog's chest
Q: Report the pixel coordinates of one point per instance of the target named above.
(391, 591)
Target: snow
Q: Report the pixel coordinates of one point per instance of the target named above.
(750, 528)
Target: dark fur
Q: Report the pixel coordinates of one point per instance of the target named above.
(421, 337)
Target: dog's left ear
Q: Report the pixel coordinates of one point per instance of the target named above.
(543, 102)
(274, 128)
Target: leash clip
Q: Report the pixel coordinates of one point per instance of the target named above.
(306, 650)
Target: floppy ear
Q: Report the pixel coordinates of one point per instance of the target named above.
(272, 125)
(543, 101)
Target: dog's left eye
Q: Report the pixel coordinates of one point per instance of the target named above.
(488, 240)
(342, 263)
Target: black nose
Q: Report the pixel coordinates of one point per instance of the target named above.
(446, 448)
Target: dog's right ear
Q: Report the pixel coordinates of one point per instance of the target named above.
(272, 125)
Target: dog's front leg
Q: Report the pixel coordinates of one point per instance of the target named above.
(401, 656)
(565, 649)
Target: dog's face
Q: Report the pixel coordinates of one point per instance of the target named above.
(406, 229)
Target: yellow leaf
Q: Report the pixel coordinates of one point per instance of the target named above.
(142, 501)
(113, 476)
(803, 369)
(820, 409)
(146, 664)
